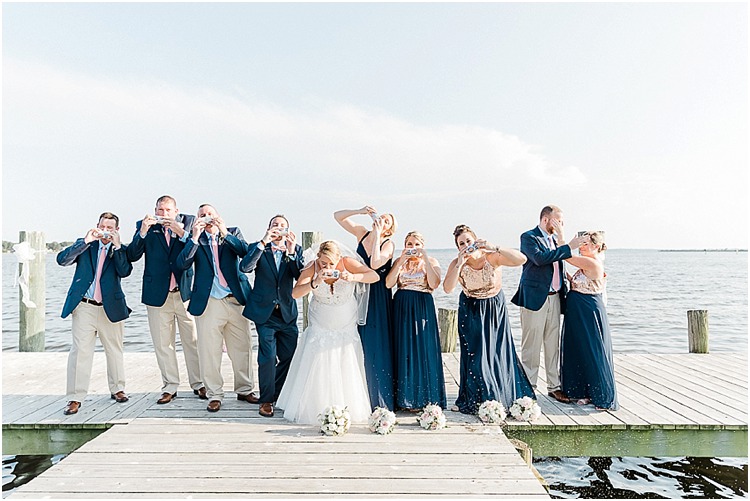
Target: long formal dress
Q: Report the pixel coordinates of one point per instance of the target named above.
(419, 363)
(377, 336)
(328, 366)
(586, 366)
(489, 366)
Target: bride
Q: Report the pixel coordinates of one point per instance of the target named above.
(328, 366)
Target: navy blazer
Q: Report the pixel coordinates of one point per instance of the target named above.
(116, 266)
(161, 261)
(231, 249)
(271, 286)
(536, 276)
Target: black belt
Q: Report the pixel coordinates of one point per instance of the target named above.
(90, 301)
(552, 293)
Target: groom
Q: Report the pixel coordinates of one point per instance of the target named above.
(277, 262)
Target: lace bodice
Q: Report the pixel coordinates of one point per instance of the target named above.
(339, 292)
(414, 279)
(483, 283)
(583, 284)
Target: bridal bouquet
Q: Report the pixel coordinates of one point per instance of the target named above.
(492, 412)
(431, 418)
(334, 420)
(382, 421)
(525, 409)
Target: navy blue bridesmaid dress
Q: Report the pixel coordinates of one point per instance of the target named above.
(377, 337)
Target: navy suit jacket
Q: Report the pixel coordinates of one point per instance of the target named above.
(116, 266)
(271, 286)
(231, 249)
(161, 261)
(536, 276)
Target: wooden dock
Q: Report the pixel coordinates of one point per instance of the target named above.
(668, 403)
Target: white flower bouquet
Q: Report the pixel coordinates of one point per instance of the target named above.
(334, 420)
(492, 412)
(525, 409)
(382, 421)
(431, 417)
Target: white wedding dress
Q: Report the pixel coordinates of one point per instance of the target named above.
(328, 365)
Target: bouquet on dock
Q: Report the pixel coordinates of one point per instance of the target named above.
(431, 417)
(334, 420)
(382, 421)
(492, 412)
(525, 409)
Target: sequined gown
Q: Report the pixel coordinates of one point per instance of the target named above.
(586, 365)
(418, 364)
(377, 336)
(328, 365)
(489, 366)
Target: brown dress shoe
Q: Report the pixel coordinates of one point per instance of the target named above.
(250, 397)
(266, 410)
(72, 407)
(559, 396)
(166, 398)
(120, 397)
(201, 392)
(214, 406)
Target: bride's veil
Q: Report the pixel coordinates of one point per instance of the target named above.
(361, 291)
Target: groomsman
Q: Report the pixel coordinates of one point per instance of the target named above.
(277, 262)
(541, 296)
(220, 292)
(166, 291)
(96, 300)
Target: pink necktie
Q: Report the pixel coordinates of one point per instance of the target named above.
(99, 266)
(172, 281)
(215, 252)
(555, 267)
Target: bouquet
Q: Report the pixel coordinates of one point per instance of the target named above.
(525, 409)
(492, 412)
(334, 420)
(382, 421)
(431, 418)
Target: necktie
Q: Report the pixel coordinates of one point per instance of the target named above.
(99, 266)
(172, 280)
(215, 252)
(555, 267)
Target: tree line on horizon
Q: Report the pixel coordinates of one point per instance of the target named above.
(51, 246)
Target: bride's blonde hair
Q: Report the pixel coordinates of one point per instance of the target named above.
(330, 250)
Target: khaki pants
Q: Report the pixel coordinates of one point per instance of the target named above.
(163, 322)
(88, 322)
(221, 324)
(542, 328)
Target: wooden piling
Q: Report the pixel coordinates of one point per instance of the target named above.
(31, 320)
(448, 328)
(697, 331)
(309, 239)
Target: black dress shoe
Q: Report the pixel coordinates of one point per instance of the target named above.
(120, 397)
(72, 407)
(214, 406)
(250, 397)
(201, 392)
(166, 398)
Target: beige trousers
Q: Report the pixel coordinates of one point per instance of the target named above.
(542, 328)
(88, 322)
(222, 324)
(163, 322)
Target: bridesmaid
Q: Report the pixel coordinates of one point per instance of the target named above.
(586, 366)
(489, 366)
(376, 249)
(418, 361)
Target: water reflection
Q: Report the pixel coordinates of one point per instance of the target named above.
(21, 469)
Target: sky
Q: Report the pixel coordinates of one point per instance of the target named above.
(632, 117)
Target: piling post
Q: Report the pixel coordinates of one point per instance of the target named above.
(448, 329)
(697, 331)
(309, 239)
(31, 319)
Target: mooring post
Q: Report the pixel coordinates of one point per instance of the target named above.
(31, 318)
(309, 239)
(697, 331)
(448, 329)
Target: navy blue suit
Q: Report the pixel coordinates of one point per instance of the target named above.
(274, 312)
(116, 266)
(161, 261)
(231, 249)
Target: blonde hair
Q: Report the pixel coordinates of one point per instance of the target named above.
(417, 235)
(330, 250)
(392, 229)
(597, 238)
